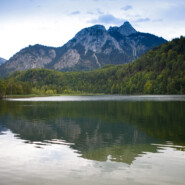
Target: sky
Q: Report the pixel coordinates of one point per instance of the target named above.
(54, 22)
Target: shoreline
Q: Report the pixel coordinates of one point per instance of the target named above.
(49, 95)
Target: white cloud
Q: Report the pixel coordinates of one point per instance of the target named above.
(126, 8)
(75, 13)
(107, 19)
(143, 20)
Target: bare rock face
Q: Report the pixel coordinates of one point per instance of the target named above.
(68, 60)
(32, 57)
(91, 48)
(126, 29)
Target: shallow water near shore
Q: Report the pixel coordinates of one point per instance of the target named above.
(104, 98)
(134, 140)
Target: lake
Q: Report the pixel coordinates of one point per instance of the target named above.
(93, 140)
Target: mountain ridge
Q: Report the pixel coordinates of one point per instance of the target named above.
(2, 61)
(89, 49)
(159, 71)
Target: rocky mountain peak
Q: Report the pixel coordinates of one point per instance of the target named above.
(126, 29)
(92, 38)
(95, 30)
(98, 27)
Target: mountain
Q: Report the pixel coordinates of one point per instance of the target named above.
(91, 48)
(2, 60)
(159, 71)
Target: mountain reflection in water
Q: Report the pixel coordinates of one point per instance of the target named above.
(116, 131)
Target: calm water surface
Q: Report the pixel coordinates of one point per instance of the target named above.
(132, 140)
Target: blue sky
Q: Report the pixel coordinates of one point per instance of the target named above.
(54, 22)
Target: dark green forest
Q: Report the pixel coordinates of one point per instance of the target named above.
(159, 71)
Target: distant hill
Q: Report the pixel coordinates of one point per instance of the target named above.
(159, 71)
(2, 60)
(90, 49)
